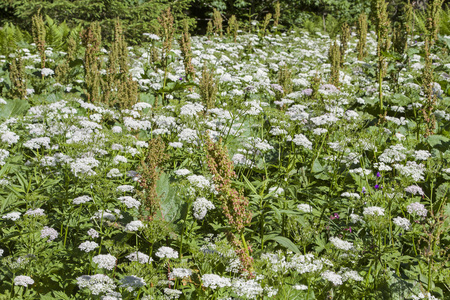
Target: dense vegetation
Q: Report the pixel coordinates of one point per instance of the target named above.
(273, 157)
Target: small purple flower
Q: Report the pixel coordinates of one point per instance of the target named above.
(364, 190)
(378, 174)
(334, 216)
(181, 79)
(377, 186)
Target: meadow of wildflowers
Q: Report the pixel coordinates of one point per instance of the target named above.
(282, 187)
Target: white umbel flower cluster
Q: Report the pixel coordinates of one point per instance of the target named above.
(97, 284)
(250, 289)
(201, 206)
(182, 172)
(334, 278)
(50, 233)
(84, 166)
(132, 282)
(3, 155)
(304, 208)
(81, 199)
(414, 189)
(341, 244)
(166, 252)
(13, 216)
(130, 202)
(105, 261)
(23, 280)
(88, 246)
(125, 188)
(301, 140)
(199, 181)
(140, 257)
(402, 222)
(373, 211)
(134, 226)
(180, 273)
(214, 281)
(417, 209)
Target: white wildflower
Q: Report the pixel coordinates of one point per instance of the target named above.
(125, 188)
(50, 233)
(114, 173)
(35, 212)
(81, 199)
(201, 206)
(130, 202)
(179, 273)
(97, 284)
(88, 246)
(13, 216)
(417, 208)
(166, 252)
(341, 244)
(23, 280)
(182, 172)
(134, 226)
(105, 261)
(373, 211)
(305, 208)
(140, 257)
(132, 282)
(334, 278)
(402, 222)
(214, 281)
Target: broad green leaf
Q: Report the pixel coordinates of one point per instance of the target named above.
(12, 108)
(285, 242)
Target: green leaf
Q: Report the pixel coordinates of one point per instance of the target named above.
(439, 142)
(285, 242)
(171, 205)
(13, 108)
(250, 185)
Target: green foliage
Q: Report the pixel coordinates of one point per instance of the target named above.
(11, 37)
(137, 16)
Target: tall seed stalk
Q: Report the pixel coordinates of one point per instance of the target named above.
(344, 38)
(92, 40)
(382, 26)
(362, 36)
(408, 12)
(334, 55)
(285, 79)
(277, 15)
(233, 27)
(432, 29)
(62, 71)
(235, 206)
(168, 31)
(208, 88)
(38, 30)
(266, 23)
(434, 8)
(209, 29)
(218, 20)
(185, 46)
(150, 171)
(430, 96)
(17, 77)
(118, 87)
